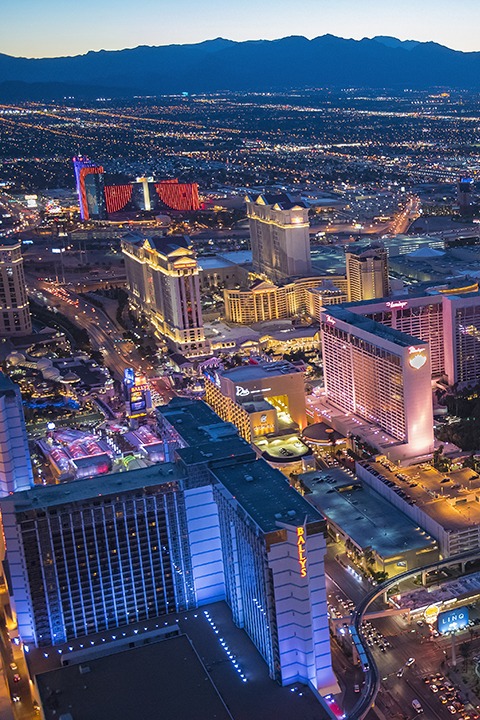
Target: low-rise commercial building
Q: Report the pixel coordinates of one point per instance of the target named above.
(377, 534)
(264, 300)
(262, 398)
(446, 505)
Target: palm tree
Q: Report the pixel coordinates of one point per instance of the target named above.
(465, 651)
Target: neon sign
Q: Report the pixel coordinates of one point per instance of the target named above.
(397, 304)
(418, 357)
(244, 392)
(330, 320)
(302, 557)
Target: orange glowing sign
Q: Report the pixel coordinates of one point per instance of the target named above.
(302, 557)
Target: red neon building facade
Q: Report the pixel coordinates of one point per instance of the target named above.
(83, 167)
(117, 197)
(178, 196)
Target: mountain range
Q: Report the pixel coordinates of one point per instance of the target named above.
(258, 65)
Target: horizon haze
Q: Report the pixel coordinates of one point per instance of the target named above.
(60, 30)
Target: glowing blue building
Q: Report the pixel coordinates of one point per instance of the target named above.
(214, 524)
(15, 466)
(97, 554)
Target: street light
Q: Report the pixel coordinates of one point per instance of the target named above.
(60, 251)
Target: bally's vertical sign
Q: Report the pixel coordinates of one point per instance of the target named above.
(302, 551)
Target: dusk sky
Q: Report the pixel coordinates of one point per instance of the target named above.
(46, 28)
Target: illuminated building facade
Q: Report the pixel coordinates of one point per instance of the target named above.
(272, 543)
(15, 466)
(101, 195)
(163, 282)
(14, 310)
(279, 233)
(465, 195)
(461, 315)
(262, 301)
(117, 197)
(420, 316)
(178, 196)
(215, 524)
(90, 188)
(146, 194)
(325, 294)
(380, 375)
(448, 318)
(98, 555)
(259, 399)
(137, 393)
(265, 301)
(274, 572)
(367, 272)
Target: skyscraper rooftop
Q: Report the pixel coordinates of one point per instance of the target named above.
(265, 494)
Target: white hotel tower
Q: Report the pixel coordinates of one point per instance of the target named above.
(382, 376)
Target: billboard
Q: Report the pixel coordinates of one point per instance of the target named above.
(129, 377)
(138, 394)
(31, 201)
(453, 620)
(431, 614)
(138, 400)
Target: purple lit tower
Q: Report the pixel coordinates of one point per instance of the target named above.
(90, 188)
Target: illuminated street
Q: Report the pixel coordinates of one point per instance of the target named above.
(240, 361)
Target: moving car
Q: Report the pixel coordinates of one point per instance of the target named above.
(417, 706)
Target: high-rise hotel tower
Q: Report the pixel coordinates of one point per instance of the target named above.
(162, 278)
(215, 524)
(382, 376)
(14, 311)
(279, 236)
(90, 188)
(367, 272)
(15, 466)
